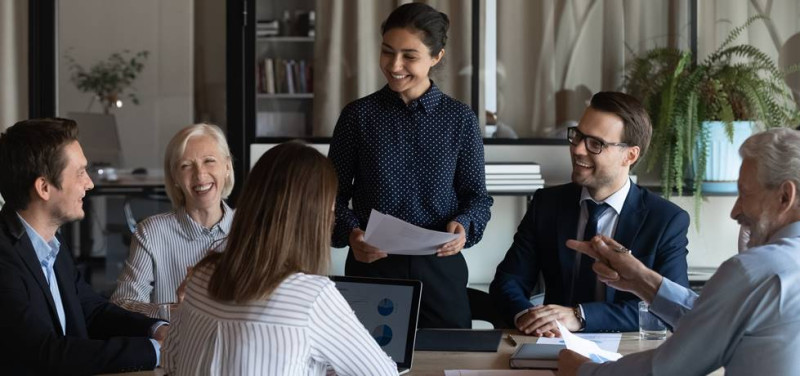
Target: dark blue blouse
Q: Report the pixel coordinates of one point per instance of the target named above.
(422, 163)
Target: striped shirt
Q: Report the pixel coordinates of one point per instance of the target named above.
(163, 246)
(303, 328)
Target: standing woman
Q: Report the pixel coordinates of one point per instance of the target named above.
(198, 175)
(412, 152)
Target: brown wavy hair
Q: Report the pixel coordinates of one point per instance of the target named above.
(282, 225)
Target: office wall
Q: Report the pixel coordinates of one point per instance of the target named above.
(710, 245)
(93, 29)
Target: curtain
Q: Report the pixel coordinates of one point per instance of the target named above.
(349, 41)
(777, 35)
(13, 62)
(554, 54)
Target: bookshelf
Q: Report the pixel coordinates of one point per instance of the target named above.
(284, 67)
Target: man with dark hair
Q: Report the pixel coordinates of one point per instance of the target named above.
(52, 322)
(612, 136)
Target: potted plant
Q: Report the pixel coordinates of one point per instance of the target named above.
(689, 101)
(108, 79)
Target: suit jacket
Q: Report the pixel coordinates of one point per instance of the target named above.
(652, 227)
(100, 337)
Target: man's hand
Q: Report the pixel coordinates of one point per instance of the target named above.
(541, 320)
(569, 362)
(362, 251)
(161, 334)
(620, 270)
(454, 246)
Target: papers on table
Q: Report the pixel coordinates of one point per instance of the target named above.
(606, 341)
(398, 237)
(586, 347)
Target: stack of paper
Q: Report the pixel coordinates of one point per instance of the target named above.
(513, 177)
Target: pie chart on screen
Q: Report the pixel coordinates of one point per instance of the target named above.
(385, 307)
(382, 334)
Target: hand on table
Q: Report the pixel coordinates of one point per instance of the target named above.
(161, 334)
(362, 251)
(541, 320)
(455, 246)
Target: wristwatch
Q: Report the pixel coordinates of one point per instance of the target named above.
(576, 310)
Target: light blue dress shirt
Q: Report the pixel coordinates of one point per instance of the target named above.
(46, 253)
(746, 319)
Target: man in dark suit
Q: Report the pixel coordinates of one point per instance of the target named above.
(612, 136)
(52, 322)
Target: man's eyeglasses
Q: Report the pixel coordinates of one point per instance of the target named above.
(593, 144)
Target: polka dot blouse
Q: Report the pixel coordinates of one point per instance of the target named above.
(421, 162)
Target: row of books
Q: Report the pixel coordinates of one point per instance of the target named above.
(281, 76)
(513, 177)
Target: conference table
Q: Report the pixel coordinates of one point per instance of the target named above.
(433, 363)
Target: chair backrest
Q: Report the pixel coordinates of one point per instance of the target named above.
(482, 307)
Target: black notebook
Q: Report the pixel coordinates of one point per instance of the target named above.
(534, 355)
(458, 340)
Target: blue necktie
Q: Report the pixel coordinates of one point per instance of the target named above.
(583, 289)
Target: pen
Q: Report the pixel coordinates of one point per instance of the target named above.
(511, 340)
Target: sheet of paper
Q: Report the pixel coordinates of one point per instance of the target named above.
(586, 347)
(606, 341)
(498, 372)
(399, 237)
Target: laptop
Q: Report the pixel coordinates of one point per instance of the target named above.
(389, 309)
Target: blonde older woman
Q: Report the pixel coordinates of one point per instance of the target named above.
(198, 176)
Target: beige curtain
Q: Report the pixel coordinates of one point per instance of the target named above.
(13, 62)
(554, 54)
(348, 41)
(778, 36)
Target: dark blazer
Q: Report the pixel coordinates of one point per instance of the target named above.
(100, 337)
(652, 227)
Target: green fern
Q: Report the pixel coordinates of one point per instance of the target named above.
(735, 82)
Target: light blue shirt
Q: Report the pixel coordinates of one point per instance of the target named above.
(46, 253)
(746, 319)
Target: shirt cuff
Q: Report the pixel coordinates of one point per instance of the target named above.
(157, 325)
(157, 349)
(519, 314)
(672, 301)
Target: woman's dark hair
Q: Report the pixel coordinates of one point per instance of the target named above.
(422, 17)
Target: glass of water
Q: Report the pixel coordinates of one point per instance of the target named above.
(650, 327)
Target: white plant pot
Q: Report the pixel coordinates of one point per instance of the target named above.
(723, 160)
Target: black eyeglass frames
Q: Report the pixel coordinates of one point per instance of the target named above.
(593, 144)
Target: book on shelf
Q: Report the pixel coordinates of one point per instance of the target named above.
(269, 73)
(512, 168)
(513, 176)
(513, 187)
(290, 76)
(536, 355)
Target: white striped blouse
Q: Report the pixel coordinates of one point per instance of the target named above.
(162, 247)
(304, 327)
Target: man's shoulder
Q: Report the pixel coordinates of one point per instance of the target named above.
(558, 192)
(655, 203)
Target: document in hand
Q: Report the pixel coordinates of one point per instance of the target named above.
(398, 237)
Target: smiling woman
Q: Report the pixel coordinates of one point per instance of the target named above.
(198, 177)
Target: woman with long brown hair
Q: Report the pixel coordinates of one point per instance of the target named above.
(262, 306)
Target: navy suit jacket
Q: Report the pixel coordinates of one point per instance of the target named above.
(652, 227)
(100, 337)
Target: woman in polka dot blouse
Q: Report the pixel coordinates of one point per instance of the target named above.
(411, 151)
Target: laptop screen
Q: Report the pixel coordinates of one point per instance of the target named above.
(388, 308)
